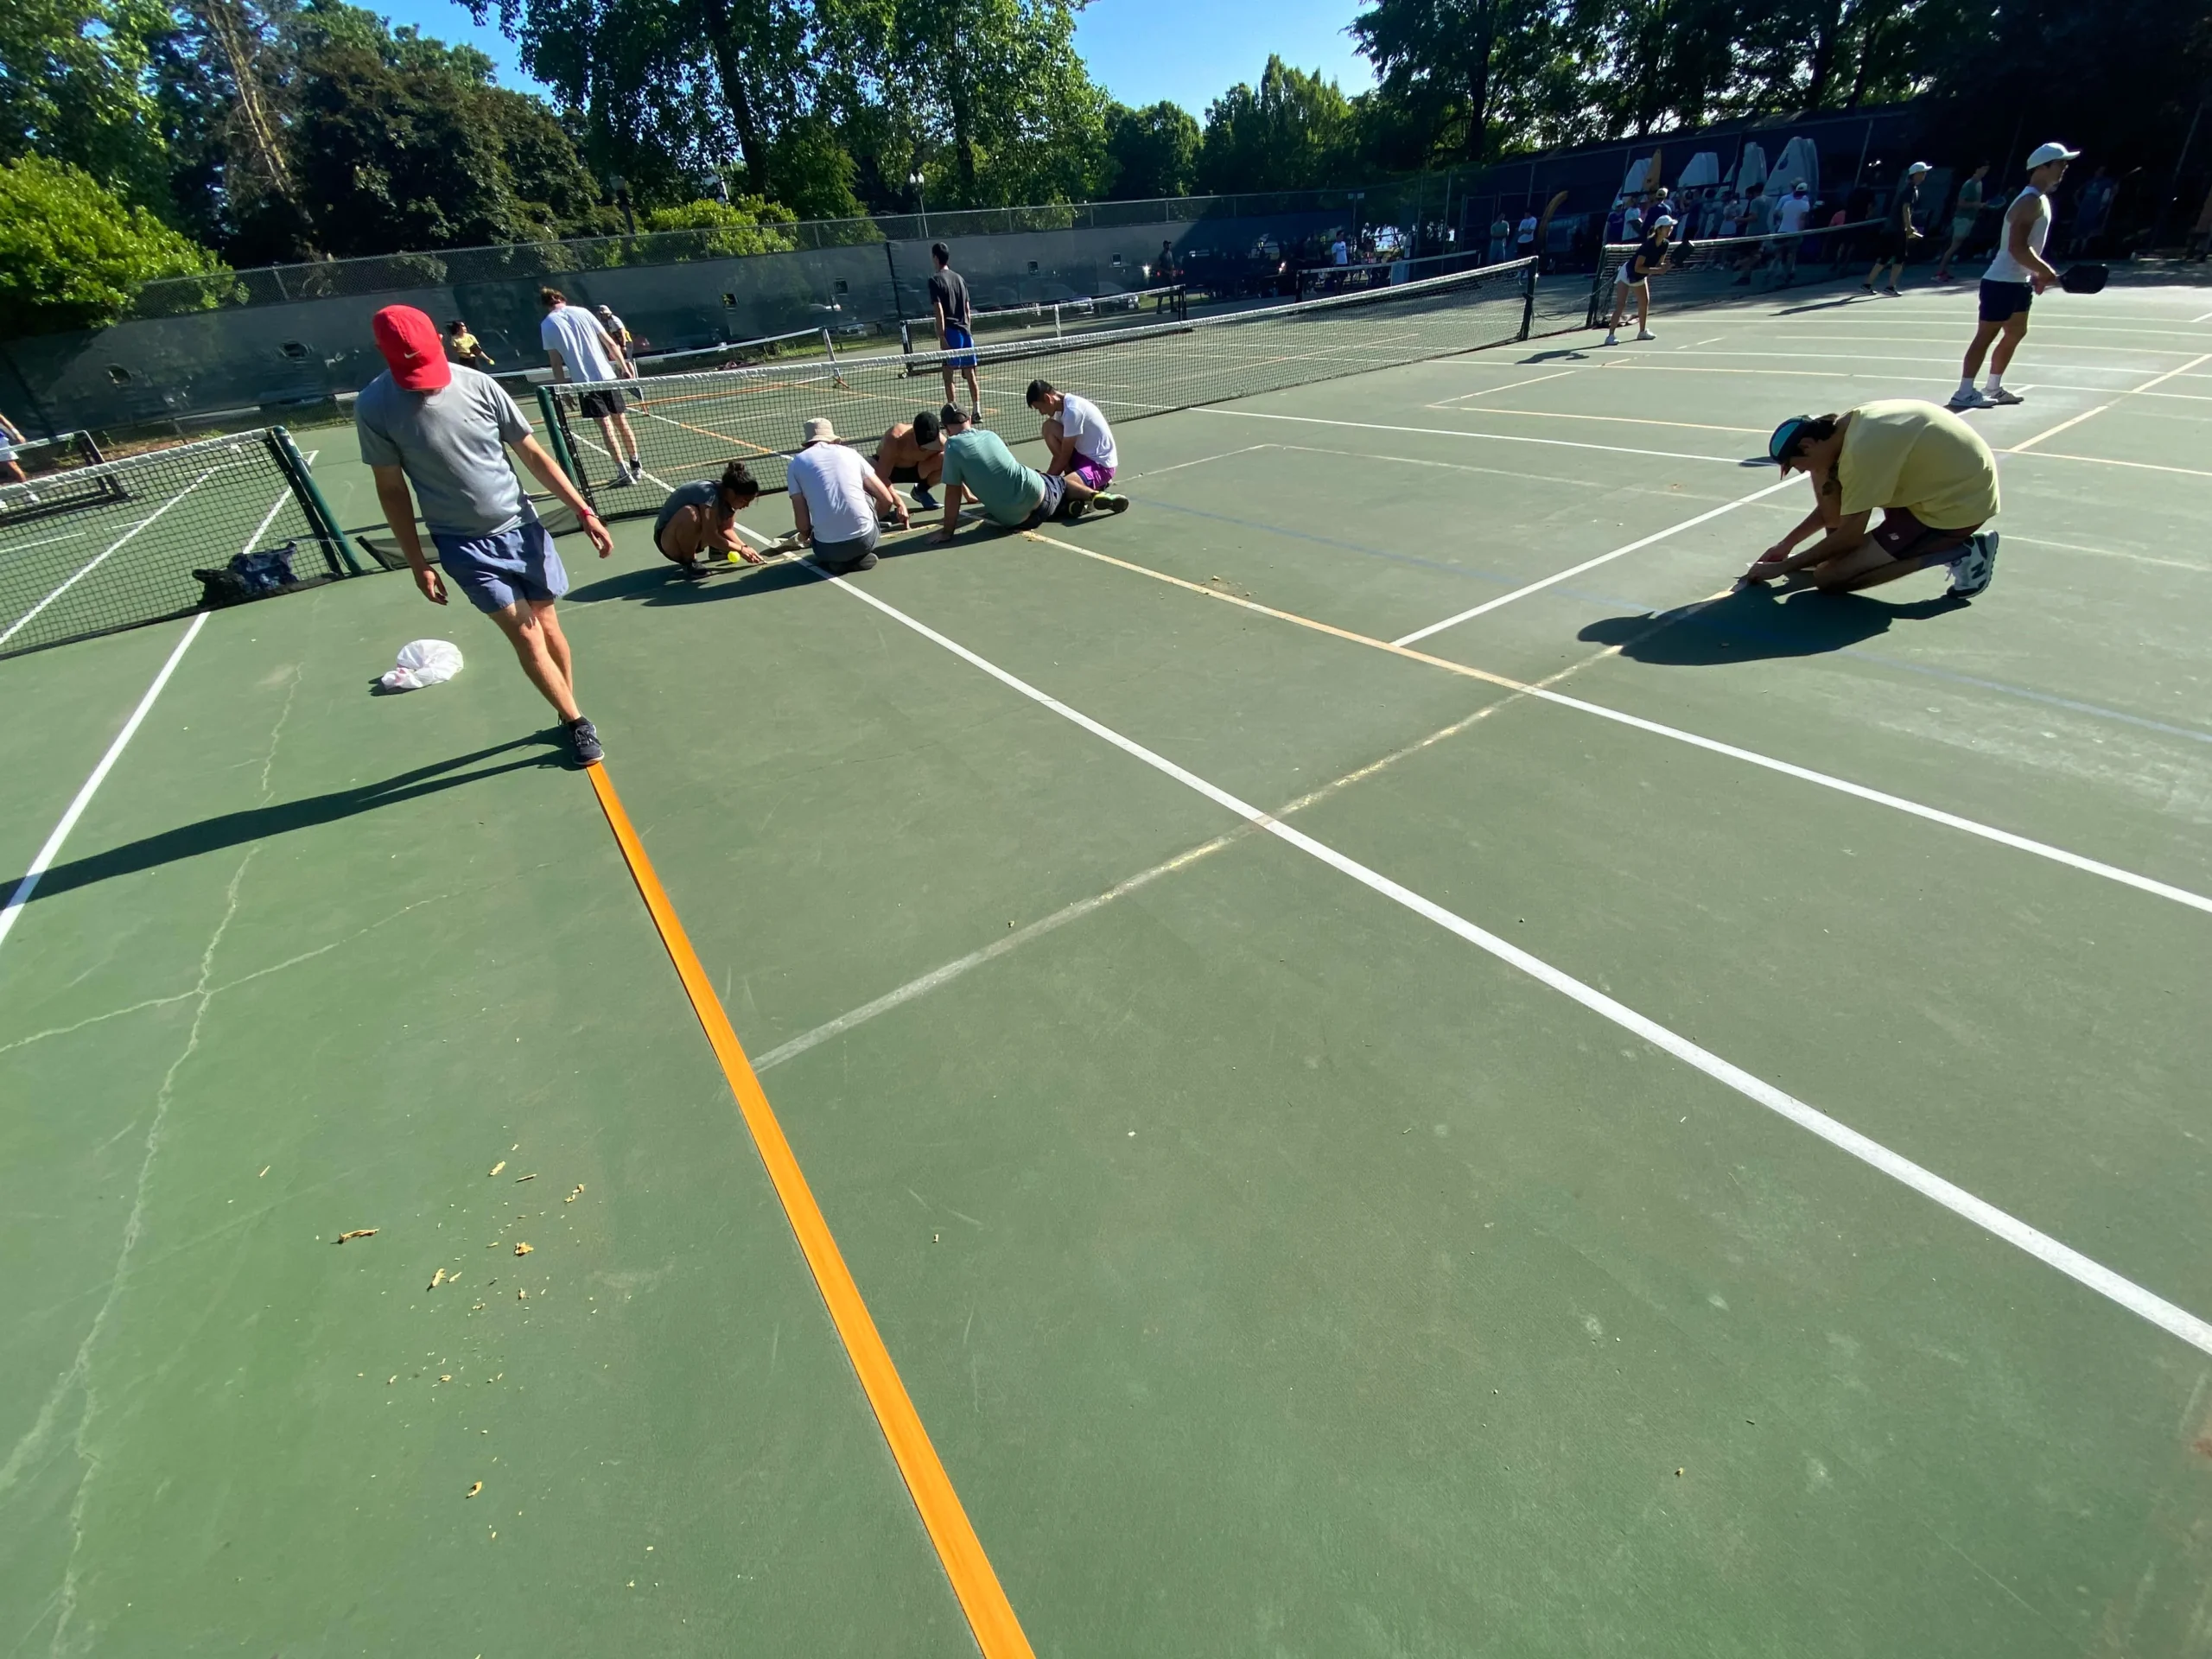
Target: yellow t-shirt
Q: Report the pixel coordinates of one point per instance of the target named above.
(1903, 453)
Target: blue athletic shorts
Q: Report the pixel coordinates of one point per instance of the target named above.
(2001, 301)
(959, 345)
(495, 571)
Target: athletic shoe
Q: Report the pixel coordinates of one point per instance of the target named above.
(1645, 333)
(1966, 397)
(1971, 571)
(1869, 290)
(1106, 503)
(1611, 338)
(1999, 397)
(583, 738)
(924, 499)
(1891, 290)
(620, 479)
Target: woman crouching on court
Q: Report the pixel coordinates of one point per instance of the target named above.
(1929, 472)
(698, 522)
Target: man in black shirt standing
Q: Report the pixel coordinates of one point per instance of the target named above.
(1900, 230)
(949, 298)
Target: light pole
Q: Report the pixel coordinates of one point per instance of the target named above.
(915, 179)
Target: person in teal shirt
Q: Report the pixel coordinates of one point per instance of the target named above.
(978, 464)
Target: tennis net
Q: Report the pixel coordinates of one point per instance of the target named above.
(687, 426)
(159, 535)
(1709, 270)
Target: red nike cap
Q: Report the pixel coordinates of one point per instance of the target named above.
(409, 342)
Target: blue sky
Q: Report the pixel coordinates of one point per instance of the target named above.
(1139, 50)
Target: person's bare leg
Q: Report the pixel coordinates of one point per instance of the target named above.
(629, 438)
(975, 394)
(608, 441)
(1620, 306)
(1977, 348)
(1056, 443)
(2015, 330)
(1874, 577)
(930, 469)
(1643, 310)
(519, 623)
(12, 471)
(557, 643)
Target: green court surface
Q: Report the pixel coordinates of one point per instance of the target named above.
(1642, 1119)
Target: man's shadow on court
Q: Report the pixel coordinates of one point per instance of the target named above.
(281, 817)
(1757, 624)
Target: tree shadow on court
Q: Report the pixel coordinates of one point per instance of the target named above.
(282, 817)
(1757, 624)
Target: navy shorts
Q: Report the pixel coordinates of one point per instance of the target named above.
(495, 571)
(2002, 301)
(959, 345)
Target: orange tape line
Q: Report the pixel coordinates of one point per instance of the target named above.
(990, 1615)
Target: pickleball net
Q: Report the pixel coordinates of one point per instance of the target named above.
(688, 426)
(1709, 270)
(117, 543)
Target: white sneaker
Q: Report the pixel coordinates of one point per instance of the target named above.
(1611, 338)
(620, 479)
(1966, 397)
(1972, 571)
(1645, 333)
(1997, 396)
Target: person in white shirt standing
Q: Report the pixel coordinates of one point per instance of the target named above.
(1791, 215)
(837, 502)
(580, 349)
(2015, 276)
(1524, 237)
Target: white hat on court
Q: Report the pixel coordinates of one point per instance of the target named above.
(1664, 221)
(2044, 155)
(1917, 166)
(818, 430)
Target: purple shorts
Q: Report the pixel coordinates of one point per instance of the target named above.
(1088, 474)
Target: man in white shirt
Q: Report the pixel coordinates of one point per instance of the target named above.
(837, 502)
(1791, 215)
(1340, 253)
(1081, 445)
(1525, 238)
(2015, 276)
(580, 349)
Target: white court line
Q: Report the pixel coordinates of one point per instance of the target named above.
(1454, 432)
(73, 535)
(1510, 385)
(1248, 448)
(1619, 367)
(24, 620)
(2037, 334)
(1616, 420)
(2107, 460)
(2207, 317)
(2175, 1320)
(1788, 769)
(2109, 552)
(2026, 444)
(52, 849)
(1928, 362)
(1474, 611)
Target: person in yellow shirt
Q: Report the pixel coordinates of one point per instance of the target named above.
(1929, 472)
(466, 347)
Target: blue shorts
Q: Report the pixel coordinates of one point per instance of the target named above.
(495, 571)
(959, 346)
(2001, 301)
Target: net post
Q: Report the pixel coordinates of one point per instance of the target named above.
(1597, 291)
(1528, 300)
(557, 435)
(309, 495)
(829, 346)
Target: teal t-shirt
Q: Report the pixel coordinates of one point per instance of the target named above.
(980, 462)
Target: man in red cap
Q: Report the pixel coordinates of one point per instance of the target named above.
(445, 429)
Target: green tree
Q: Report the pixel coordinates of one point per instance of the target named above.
(1154, 150)
(1294, 132)
(73, 253)
(745, 224)
(75, 85)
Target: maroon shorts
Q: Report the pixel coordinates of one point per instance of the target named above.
(1903, 537)
(1089, 474)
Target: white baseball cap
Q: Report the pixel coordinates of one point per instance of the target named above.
(1662, 221)
(2044, 154)
(1917, 166)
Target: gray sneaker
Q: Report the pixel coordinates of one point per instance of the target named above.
(583, 740)
(2001, 397)
(1971, 570)
(1966, 397)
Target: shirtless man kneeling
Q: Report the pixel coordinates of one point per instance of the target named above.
(912, 453)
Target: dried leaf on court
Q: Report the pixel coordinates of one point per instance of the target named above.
(358, 1232)
(521, 1250)
(439, 1278)
(573, 1196)
(497, 1167)
(472, 1491)
(519, 1179)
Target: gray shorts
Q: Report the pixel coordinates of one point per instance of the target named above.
(856, 554)
(495, 571)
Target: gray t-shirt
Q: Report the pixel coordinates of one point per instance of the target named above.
(706, 492)
(452, 442)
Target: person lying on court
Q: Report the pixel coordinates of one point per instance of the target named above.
(698, 522)
(1929, 472)
(1081, 443)
(912, 453)
(1012, 496)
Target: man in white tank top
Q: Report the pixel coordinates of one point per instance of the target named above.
(2015, 276)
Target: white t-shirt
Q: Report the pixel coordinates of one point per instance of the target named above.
(1085, 428)
(1527, 233)
(1339, 253)
(833, 480)
(581, 342)
(2005, 268)
(1791, 213)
